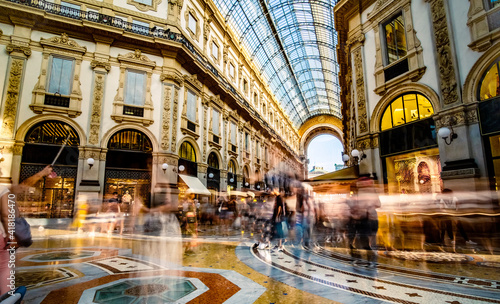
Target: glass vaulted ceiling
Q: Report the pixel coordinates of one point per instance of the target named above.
(293, 44)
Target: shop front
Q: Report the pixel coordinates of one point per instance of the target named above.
(128, 168)
(489, 117)
(213, 177)
(408, 146)
(53, 196)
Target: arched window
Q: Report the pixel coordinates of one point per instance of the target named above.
(490, 84)
(245, 172)
(130, 140)
(187, 152)
(405, 109)
(231, 167)
(213, 161)
(52, 132)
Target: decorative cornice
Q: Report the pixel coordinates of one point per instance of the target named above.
(18, 48)
(193, 80)
(144, 7)
(136, 57)
(63, 42)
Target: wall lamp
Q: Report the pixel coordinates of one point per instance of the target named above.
(231, 180)
(164, 167)
(345, 158)
(90, 162)
(445, 133)
(181, 168)
(247, 184)
(357, 154)
(210, 175)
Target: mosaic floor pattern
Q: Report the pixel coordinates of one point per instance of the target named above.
(120, 270)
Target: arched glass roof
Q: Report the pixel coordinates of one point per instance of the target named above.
(293, 44)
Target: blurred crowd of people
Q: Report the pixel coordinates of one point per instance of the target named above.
(362, 219)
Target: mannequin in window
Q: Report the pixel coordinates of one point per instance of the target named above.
(127, 198)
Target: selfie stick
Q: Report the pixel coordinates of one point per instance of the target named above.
(62, 147)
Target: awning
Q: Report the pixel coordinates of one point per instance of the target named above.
(194, 184)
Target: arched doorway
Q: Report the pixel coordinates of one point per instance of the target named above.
(49, 197)
(213, 176)
(128, 166)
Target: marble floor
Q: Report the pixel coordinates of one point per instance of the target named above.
(63, 266)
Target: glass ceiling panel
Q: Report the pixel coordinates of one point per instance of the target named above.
(295, 51)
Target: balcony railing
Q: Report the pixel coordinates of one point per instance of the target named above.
(133, 111)
(117, 22)
(56, 100)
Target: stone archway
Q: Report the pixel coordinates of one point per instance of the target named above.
(315, 126)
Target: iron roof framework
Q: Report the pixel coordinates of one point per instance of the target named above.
(293, 43)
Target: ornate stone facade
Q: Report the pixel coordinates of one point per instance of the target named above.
(95, 117)
(448, 81)
(360, 91)
(12, 97)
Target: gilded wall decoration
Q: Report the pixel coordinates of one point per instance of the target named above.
(174, 119)
(95, 119)
(445, 60)
(165, 131)
(12, 97)
(360, 91)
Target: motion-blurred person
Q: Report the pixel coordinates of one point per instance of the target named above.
(299, 215)
(310, 215)
(8, 204)
(362, 226)
(279, 220)
(113, 213)
(368, 193)
(191, 218)
(449, 204)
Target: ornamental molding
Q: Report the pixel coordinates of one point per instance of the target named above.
(172, 77)
(96, 64)
(193, 81)
(95, 118)
(12, 98)
(367, 143)
(196, 35)
(461, 173)
(175, 108)
(179, 3)
(165, 131)
(448, 83)
(384, 8)
(13, 48)
(360, 38)
(137, 58)
(206, 28)
(63, 42)
(217, 102)
(144, 7)
(360, 91)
